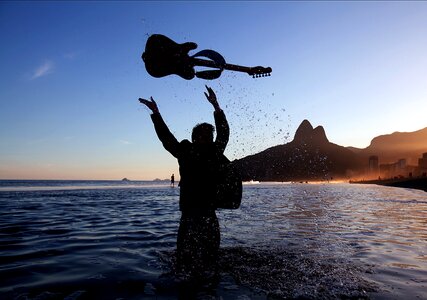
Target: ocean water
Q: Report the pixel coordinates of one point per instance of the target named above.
(116, 240)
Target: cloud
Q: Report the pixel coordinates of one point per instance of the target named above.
(125, 142)
(44, 69)
(71, 55)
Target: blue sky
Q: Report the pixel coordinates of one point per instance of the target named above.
(71, 75)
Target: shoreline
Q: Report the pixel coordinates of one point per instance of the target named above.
(419, 183)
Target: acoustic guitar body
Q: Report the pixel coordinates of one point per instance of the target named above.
(163, 57)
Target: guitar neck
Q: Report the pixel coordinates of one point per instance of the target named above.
(212, 64)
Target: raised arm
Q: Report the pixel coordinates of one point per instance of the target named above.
(163, 133)
(221, 124)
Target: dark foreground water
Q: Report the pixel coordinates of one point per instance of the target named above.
(114, 240)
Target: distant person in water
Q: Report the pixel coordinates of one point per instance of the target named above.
(198, 234)
(173, 180)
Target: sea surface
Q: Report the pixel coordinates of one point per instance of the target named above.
(116, 240)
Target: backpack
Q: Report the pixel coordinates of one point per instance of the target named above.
(228, 185)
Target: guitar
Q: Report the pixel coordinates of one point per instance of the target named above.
(163, 57)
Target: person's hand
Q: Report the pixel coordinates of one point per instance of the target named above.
(210, 95)
(152, 105)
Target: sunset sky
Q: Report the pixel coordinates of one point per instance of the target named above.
(71, 74)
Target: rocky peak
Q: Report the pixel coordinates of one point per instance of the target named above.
(319, 135)
(304, 130)
(306, 134)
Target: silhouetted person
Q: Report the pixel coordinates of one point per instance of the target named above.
(198, 234)
(173, 180)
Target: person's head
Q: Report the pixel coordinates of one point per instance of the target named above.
(203, 133)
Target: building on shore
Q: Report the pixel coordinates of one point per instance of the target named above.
(373, 169)
(399, 169)
(422, 165)
(399, 174)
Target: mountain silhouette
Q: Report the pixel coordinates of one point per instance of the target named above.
(392, 147)
(309, 156)
(306, 134)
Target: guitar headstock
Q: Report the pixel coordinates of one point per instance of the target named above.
(259, 71)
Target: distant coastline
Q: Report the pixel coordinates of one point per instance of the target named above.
(419, 183)
(310, 156)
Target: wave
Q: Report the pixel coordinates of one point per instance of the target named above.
(57, 185)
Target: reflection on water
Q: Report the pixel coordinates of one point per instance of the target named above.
(379, 229)
(286, 241)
